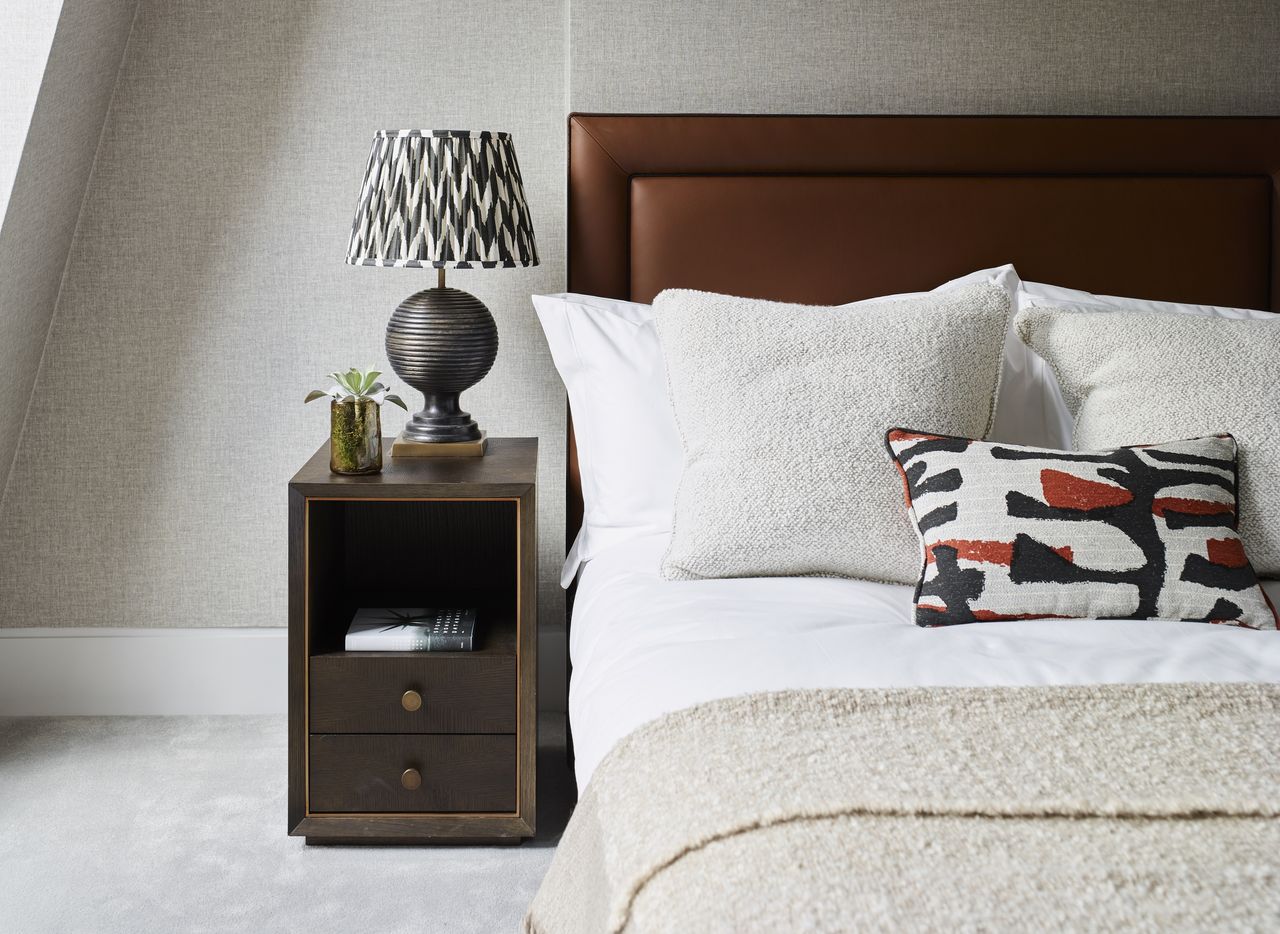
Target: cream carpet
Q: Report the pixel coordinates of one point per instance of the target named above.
(177, 824)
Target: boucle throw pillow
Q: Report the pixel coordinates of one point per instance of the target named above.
(780, 408)
(1128, 376)
(1012, 532)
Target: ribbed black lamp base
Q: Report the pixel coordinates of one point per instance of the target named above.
(442, 341)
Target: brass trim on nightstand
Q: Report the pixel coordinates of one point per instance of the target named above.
(306, 667)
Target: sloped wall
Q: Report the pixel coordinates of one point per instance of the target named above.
(46, 158)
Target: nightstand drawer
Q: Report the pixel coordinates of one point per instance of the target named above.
(359, 693)
(352, 773)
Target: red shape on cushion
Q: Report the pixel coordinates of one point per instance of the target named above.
(1190, 507)
(1228, 552)
(986, 551)
(931, 606)
(899, 435)
(1067, 491)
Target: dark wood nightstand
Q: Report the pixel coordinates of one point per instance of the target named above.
(414, 747)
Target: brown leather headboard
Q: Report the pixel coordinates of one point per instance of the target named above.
(832, 209)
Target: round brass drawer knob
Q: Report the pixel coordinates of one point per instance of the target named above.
(411, 700)
(411, 778)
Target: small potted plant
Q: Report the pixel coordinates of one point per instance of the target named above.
(355, 420)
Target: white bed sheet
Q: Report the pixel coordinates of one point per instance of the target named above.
(642, 646)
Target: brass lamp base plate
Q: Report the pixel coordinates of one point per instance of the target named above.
(403, 447)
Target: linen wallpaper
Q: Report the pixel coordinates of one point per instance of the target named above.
(58, 65)
(926, 56)
(205, 290)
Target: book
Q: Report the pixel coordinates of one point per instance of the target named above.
(411, 629)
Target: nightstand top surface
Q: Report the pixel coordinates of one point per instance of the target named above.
(508, 468)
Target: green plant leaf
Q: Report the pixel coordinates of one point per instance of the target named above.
(315, 394)
(368, 380)
(397, 400)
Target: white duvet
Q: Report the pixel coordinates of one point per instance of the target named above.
(642, 646)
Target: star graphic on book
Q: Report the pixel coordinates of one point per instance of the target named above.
(405, 620)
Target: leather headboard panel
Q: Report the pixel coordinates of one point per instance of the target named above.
(834, 239)
(831, 209)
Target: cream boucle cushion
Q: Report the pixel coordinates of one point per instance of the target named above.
(1134, 378)
(781, 411)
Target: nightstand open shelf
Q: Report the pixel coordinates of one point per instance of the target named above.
(414, 747)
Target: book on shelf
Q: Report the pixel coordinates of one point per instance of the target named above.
(412, 629)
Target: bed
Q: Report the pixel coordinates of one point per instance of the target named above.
(1179, 209)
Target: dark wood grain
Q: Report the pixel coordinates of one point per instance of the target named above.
(297, 660)
(527, 701)
(354, 693)
(425, 532)
(413, 829)
(508, 469)
(361, 773)
(467, 545)
(405, 553)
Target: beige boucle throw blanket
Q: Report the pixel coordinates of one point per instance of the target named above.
(1133, 807)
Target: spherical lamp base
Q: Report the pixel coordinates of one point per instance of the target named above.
(442, 341)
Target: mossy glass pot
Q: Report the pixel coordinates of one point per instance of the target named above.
(355, 434)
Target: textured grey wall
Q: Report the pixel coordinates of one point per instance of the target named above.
(57, 144)
(206, 292)
(927, 56)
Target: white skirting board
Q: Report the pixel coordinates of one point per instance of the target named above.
(113, 672)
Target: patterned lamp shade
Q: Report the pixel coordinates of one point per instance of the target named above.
(442, 198)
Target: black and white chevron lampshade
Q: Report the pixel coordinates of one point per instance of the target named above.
(443, 199)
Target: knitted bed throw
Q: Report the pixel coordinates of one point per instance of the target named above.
(1132, 807)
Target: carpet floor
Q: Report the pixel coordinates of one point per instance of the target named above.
(178, 824)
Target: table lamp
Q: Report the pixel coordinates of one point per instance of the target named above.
(446, 199)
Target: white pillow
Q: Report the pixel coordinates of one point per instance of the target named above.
(607, 353)
(1044, 395)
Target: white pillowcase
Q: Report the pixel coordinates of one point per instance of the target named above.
(607, 353)
(1045, 410)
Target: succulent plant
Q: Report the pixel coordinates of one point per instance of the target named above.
(357, 385)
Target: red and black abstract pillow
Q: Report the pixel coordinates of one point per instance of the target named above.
(1013, 532)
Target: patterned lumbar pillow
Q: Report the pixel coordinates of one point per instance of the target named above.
(1125, 374)
(780, 409)
(1013, 532)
